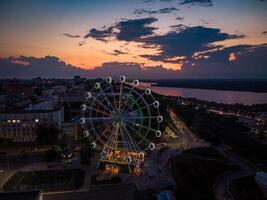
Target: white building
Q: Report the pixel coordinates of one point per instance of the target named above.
(44, 105)
(21, 126)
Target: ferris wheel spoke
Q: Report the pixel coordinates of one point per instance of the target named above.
(120, 96)
(99, 126)
(107, 100)
(126, 142)
(111, 142)
(146, 106)
(98, 118)
(108, 138)
(99, 138)
(141, 96)
(103, 105)
(127, 99)
(139, 134)
(97, 110)
(114, 98)
(140, 125)
(135, 146)
(141, 117)
(127, 137)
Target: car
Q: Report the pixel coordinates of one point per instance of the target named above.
(163, 144)
(69, 162)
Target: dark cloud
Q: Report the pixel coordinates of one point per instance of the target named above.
(71, 35)
(47, 67)
(134, 29)
(133, 70)
(187, 41)
(221, 55)
(125, 30)
(117, 52)
(101, 35)
(179, 18)
(204, 22)
(81, 43)
(178, 27)
(197, 2)
(148, 1)
(160, 11)
(249, 63)
(53, 67)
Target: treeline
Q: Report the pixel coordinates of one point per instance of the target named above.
(241, 108)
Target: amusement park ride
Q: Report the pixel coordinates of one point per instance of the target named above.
(122, 121)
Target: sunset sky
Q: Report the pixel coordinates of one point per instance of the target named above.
(170, 34)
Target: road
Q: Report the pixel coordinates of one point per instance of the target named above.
(188, 138)
(221, 187)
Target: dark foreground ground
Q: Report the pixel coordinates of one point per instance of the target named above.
(100, 192)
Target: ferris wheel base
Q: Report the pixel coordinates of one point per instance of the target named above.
(112, 167)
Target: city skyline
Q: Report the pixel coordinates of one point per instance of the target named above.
(150, 39)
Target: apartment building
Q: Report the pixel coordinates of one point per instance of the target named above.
(21, 126)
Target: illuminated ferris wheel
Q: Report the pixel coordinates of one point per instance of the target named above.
(121, 120)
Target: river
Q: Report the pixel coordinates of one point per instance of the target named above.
(219, 96)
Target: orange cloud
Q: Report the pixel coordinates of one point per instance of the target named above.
(232, 57)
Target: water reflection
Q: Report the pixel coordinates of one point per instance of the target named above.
(219, 96)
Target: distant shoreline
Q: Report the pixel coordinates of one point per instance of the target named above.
(223, 85)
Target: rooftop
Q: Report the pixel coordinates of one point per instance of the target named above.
(28, 111)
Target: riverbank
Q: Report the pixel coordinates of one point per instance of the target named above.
(248, 85)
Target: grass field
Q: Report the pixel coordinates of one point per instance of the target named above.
(48, 180)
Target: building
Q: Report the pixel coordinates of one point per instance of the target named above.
(21, 89)
(25, 195)
(261, 180)
(21, 126)
(71, 130)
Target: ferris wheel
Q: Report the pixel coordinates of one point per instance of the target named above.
(121, 120)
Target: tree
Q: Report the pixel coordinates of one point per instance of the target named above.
(85, 155)
(261, 135)
(51, 154)
(47, 134)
